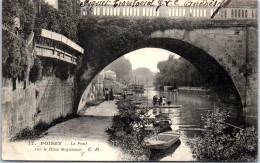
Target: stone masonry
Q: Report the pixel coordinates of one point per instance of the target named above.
(43, 101)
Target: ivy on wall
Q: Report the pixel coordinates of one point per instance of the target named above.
(16, 59)
(19, 20)
(63, 21)
(36, 70)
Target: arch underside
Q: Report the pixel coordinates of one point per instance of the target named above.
(211, 70)
(213, 73)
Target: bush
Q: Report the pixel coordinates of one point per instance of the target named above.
(36, 70)
(62, 71)
(16, 58)
(26, 12)
(63, 21)
(217, 144)
(127, 132)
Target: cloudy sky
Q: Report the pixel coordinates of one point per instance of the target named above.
(148, 57)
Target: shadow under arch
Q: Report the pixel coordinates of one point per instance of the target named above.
(213, 73)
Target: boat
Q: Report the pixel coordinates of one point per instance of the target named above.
(170, 106)
(163, 121)
(138, 88)
(162, 140)
(159, 123)
(158, 154)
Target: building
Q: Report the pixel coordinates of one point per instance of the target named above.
(110, 75)
(53, 3)
(136, 88)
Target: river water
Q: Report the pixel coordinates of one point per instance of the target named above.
(186, 120)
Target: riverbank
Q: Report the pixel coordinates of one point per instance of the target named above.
(79, 139)
(104, 109)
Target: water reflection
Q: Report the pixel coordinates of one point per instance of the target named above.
(186, 120)
(160, 154)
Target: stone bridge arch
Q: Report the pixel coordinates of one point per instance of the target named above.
(209, 56)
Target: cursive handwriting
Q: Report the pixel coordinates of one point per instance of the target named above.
(223, 4)
(157, 3)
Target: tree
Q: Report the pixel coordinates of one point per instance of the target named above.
(36, 70)
(68, 19)
(16, 58)
(9, 12)
(12, 67)
(143, 76)
(177, 72)
(63, 21)
(219, 144)
(122, 67)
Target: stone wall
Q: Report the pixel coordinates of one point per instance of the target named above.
(233, 40)
(45, 100)
(94, 90)
(252, 67)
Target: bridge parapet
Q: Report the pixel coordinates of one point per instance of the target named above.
(53, 45)
(173, 12)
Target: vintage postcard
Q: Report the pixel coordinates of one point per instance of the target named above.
(130, 80)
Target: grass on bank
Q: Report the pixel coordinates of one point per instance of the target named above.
(38, 130)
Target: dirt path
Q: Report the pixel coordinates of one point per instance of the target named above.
(105, 109)
(80, 139)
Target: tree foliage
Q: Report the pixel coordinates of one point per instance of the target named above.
(61, 70)
(26, 13)
(125, 134)
(177, 72)
(218, 144)
(36, 70)
(122, 67)
(48, 18)
(142, 75)
(12, 67)
(63, 21)
(16, 59)
(9, 12)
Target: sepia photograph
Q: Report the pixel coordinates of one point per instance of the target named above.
(130, 80)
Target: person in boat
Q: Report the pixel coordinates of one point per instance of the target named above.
(155, 100)
(111, 98)
(164, 100)
(160, 101)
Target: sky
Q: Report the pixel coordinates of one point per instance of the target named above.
(148, 57)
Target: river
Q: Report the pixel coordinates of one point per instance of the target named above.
(187, 120)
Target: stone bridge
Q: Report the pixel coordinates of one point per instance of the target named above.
(223, 49)
(225, 54)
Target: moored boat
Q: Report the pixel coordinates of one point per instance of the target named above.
(170, 106)
(162, 140)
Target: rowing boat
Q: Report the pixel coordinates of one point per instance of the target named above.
(162, 140)
(170, 106)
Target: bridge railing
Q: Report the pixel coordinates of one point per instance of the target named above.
(170, 12)
(53, 45)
